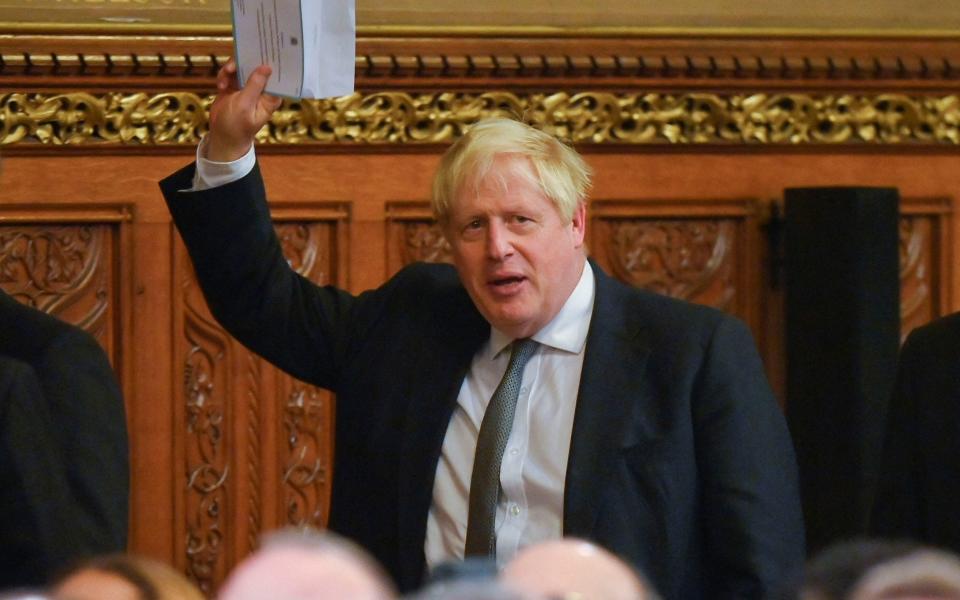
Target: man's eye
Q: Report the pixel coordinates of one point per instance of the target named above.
(521, 219)
(474, 224)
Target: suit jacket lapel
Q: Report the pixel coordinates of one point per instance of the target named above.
(610, 389)
(443, 363)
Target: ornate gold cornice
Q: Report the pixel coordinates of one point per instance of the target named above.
(118, 119)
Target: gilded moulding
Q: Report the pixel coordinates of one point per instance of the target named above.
(415, 118)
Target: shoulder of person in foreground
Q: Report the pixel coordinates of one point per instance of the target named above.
(80, 391)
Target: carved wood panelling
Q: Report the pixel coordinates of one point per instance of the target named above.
(307, 410)
(697, 251)
(66, 262)
(208, 416)
(413, 236)
(252, 437)
(307, 427)
(925, 265)
(691, 259)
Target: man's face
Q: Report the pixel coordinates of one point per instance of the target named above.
(517, 258)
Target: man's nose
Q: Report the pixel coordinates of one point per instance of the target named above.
(499, 243)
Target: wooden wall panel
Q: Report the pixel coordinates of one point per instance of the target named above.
(701, 251)
(66, 268)
(412, 235)
(925, 261)
(255, 444)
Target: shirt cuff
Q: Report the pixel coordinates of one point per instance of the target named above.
(211, 174)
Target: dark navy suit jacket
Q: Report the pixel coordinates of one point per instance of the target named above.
(680, 460)
(64, 461)
(919, 487)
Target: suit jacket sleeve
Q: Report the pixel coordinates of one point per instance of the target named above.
(305, 329)
(753, 525)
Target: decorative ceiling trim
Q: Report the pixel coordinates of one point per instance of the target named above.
(560, 63)
(484, 31)
(589, 118)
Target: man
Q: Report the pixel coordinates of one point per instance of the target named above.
(64, 466)
(920, 472)
(616, 415)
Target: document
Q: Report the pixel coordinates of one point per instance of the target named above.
(309, 44)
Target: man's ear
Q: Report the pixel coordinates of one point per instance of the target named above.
(579, 223)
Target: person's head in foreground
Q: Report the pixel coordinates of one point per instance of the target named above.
(574, 569)
(303, 564)
(921, 575)
(511, 202)
(124, 577)
(469, 589)
(871, 569)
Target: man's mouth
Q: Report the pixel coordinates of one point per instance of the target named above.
(507, 285)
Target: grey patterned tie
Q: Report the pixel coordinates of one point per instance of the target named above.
(491, 442)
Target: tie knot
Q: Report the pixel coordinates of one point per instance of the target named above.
(522, 350)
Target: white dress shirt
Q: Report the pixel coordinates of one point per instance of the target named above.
(534, 463)
(211, 174)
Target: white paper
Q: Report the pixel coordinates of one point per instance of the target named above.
(309, 44)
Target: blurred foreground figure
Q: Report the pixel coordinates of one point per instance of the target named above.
(64, 465)
(868, 569)
(307, 565)
(23, 594)
(921, 575)
(124, 577)
(470, 589)
(571, 568)
(919, 488)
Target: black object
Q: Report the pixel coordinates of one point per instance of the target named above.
(843, 329)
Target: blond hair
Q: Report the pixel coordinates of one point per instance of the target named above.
(560, 172)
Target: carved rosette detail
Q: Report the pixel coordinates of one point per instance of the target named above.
(915, 284)
(60, 270)
(424, 242)
(683, 258)
(301, 248)
(585, 118)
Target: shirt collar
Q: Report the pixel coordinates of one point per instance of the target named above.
(568, 329)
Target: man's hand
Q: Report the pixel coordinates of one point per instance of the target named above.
(238, 114)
